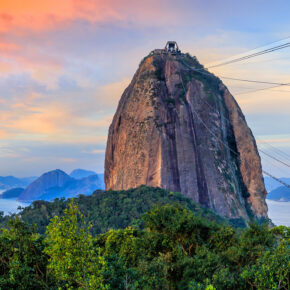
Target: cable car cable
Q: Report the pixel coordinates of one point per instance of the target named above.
(218, 139)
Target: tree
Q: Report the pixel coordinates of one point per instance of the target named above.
(272, 269)
(73, 259)
(22, 262)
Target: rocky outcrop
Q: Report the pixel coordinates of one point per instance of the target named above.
(180, 129)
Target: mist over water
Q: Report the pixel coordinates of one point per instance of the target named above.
(279, 212)
(10, 205)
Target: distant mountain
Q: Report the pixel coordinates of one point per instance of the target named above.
(81, 173)
(272, 184)
(282, 193)
(8, 182)
(57, 184)
(74, 188)
(55, 178)
(12, 193)
(28, 180)
(101, 180)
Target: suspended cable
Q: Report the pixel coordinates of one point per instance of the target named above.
(286, 38)
(252, 81)
(252, 55)
(249, 89)
(201, 71)
(284, 163)
(278, 160)
(277, 179)
(273, 152)
(257, 90)
(278, 151)
(204, 72)
(283, 171)
(218, 139)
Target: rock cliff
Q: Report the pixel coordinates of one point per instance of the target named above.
(179, 128)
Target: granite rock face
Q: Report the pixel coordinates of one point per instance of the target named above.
(182, 130)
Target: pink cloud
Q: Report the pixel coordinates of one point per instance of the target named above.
(38, 15)
(4, 134)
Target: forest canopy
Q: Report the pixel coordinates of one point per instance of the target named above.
(169, 246)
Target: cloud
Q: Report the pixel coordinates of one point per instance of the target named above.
(7, 152)
(50, 122)
(274, 139)
(37, 157)
(68, 160)
(94, 151)
(4, 134)
(37, 15)
(65, 115)
(110, 94)
(8, 47)
(64, 65)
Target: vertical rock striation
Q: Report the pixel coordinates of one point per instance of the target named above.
(182, 130)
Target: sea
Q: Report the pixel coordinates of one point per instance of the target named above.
(9, 206)
(279, 212)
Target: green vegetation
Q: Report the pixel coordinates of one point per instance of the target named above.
(73, 258)
(111, 209)
(173, 245)
(210, 82)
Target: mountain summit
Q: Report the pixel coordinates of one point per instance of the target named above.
(52, 179)
(57, 184)
(178, 127)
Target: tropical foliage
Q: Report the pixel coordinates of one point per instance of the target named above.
(110, 209)
(174, 248)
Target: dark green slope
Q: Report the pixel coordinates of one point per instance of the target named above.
(112, 209)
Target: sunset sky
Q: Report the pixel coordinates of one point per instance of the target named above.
(65, 63)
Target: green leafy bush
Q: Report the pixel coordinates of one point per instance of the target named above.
(173, 245)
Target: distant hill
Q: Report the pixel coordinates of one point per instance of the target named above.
(74, 188)
(8, 182)
(282, 193)
(12, 193)
(81, 173)
(112, 209)
(55, 178)
(57, 184)
(272, 184)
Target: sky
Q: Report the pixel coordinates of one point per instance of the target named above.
(64, 65)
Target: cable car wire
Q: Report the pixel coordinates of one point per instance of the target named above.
(204, 72)
(277, 150)
(266, 51)
(219, 139)
(276, 159)
(286, 38)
